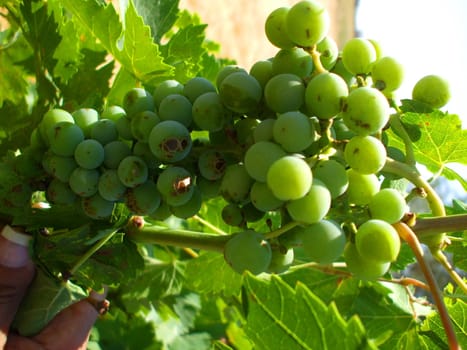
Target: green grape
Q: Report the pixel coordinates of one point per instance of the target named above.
(36, 142)
(365, 154)
(132, 171)
(362, 187)
(89, 154)
(208, 112)
(260, 156)
(236, 184)
(261, 71)
(280, 261)
(165, 88)
(361, 267)
(104, 131)
(225, 71)
(84, 118)
(142, 123)
(243, 131)
(274, 28)
(123, 125)
(313, 206)
(248, 251)
(113, 112)
(289, 178)
(284, 93)
(84, 182)
(294, 61)
(114, 152)
(233, 215)
(388, 205)
(137, 100)
(251, 213)
(161, 213)
(143, 199)
(196, 87)
(377, 240)
(176, 107)
(432, 90)
(294, 131)
(264, 130)
(51, 118)
(170, 141)
(60, 167)
(175, 185)
(110, 187)
(190, 208)
(59, 192)
(358, 56)
(329, 52)
(325, 95)
(333, 174)
(341, 71)
(387, 74)
(97, 207)
(64, 137)
(378, 48)
(307, 23)
(366, 111)
(341, 131)
(262, 197)
(212, 164)
(209, 188)
(323, 242)
(142, 150)
(240, 92)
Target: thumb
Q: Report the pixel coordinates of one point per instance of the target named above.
(16, 273)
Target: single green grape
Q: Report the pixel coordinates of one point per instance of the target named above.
(377, 240)
(313, 206)
(358, 56)
(387, 74)
(196, 87)
(307, 23)
(275, 28)
(365, 154)
(248, 251)
(190, 208)
(110, 187)
(264, 130)
(59, 167)
(361, 267)
(259, 157)
(362, 187)
(59, 192)
(294, 61)
(334, 175)
(170, 141)
(208, 112)
(142, 150)
(325, 95)
(289, 178)
(114, 152)
(236, 184)
(165, 88)
(328, 52)
(281, 261)
(112, 112)
(176, 185)
(323, 241)
(104, 131)
(123, 125)
(212, 164)
(263, 198)
(225, 71)
(84, 118)
(388, 205)
(240, 92)
(142, 123)
(294, 131)
(262, 71)
(137, 100)
(432, 90)
(97, 207)
(284, 93)
(233, 215)
(84, 182)
(49, 120)
(89, 154)
(366, 111)
(132, 171)
(176, 107)
(143, 199)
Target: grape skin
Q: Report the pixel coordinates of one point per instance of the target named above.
(432, 90)
(388, 205)
(274, 28)
(89, 154)
(312, 207)
(294, 131)
(362, 187)
(260, 156)
(132, 171)
(365, 154)
(284, 92)
(362, 268)
(170, 141)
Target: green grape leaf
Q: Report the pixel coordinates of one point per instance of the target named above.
(433, 327)
(158, 279)
(385, 309)
(442, 142)
(129, 43)
(408, 105)
(159, 15)
(45, 298)
(210, 274)
(297, 319)
(218, 345)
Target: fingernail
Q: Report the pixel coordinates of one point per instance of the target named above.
(14, 248)
(99, 296)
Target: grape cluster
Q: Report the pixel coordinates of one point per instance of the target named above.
(300, 134)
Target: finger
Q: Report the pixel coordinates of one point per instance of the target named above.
(71, 327)
(16, 273)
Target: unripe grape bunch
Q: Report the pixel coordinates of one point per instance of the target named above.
(299, 135)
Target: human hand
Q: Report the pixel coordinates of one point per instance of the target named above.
(69, 330)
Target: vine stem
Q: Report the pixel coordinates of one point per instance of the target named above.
(410, 237)
(91, 252)
(436, 225)
(399, 129)
(442, 259)
(283, 229)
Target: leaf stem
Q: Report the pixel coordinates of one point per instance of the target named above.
(409, 236)
(91, 252)
(398, 128)
(137, 231)
(442, 259)
(281, 230)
